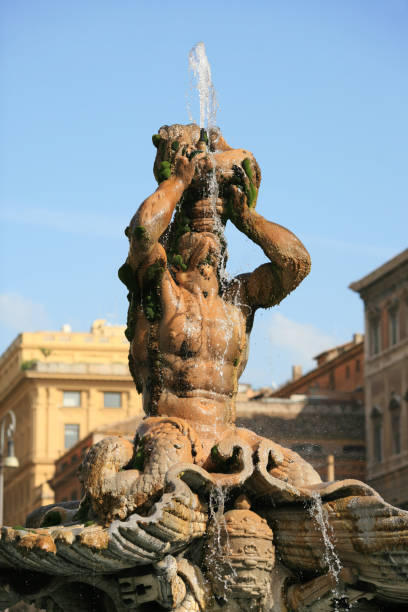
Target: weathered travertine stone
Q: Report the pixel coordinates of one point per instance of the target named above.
(198, 514)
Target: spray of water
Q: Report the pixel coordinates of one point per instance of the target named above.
(201, 70)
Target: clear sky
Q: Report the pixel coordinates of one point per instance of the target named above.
(317, 90)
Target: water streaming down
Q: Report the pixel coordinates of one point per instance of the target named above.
(201, 70)
(320, 516)
(218, 555)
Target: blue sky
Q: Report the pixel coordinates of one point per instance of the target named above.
(317, 90)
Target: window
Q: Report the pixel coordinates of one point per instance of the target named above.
(376, 417)
(112, 400)
(396, 432)
(375, 337)
(377, 440)
(347, 371)
(71, 434)
(395, 411)
(332, 380)
(71, 399)
(307, 448)
(354, 449)
(357, 365)
(393, 326)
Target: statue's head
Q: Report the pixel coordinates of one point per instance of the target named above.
(177, 139)
(195, 237)
(203, 252)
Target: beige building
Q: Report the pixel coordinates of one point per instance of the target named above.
(61, 386)
(385, 296)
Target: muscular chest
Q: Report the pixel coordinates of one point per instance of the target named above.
(206, 327)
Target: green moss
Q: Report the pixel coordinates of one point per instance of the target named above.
(250, 190)
(235, 362)
(139, 457)
(181, 223)
(29, 364)
(139, 232)
(89, 523)
(251, 193)
(19, 528)
(151, 291)
(156, 138)
(246, 164)
(177, 261)
(164, 171)
(191, 155)
(150, 313)
(215, 453)
(52, 518)
(126, 276)
(155, 271)
(175, 145)
(203, 136)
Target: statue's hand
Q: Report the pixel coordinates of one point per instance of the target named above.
(237, 206)
(184, 169)
(244, 179)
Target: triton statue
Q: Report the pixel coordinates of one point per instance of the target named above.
(198, 514)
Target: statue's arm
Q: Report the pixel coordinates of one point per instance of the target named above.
(289, 259)
(155, 213)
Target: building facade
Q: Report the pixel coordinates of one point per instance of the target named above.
(65, 482)
(385, 295)
(61, 386)
(326, 429)
(340, 368)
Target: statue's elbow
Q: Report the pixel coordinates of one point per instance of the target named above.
(298, 270)
(305, 264)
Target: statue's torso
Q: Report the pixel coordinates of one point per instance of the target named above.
(201, 342)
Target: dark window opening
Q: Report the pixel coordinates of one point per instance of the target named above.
(393, 319)
(354, 449)
(375, 337)
(396, 433)
(377, 441)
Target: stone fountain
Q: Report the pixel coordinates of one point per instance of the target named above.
(198, 514)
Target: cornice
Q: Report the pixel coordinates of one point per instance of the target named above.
(380, 273)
